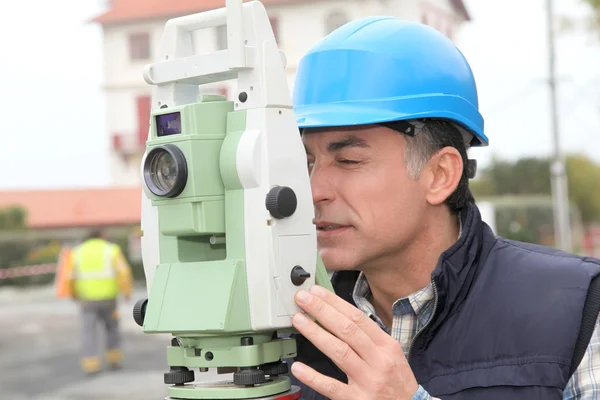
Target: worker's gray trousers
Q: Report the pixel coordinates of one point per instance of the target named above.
(103, 313)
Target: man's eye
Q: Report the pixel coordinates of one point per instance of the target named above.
(349, 161)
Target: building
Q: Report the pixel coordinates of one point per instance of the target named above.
(132, 31)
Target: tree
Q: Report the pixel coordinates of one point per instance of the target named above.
(11, 219)
(595, 4)
(531, 176)
(584, 186)
(525, 176)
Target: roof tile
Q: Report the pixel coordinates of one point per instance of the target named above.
(77, 208)
(132, 10)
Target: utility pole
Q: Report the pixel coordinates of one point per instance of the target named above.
(560, 197)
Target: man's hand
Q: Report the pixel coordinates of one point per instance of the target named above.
(373, 361)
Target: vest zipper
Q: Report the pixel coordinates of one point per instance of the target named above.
(435, 301)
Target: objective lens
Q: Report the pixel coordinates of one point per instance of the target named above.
(165, 171)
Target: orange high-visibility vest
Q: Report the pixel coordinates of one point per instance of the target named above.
(63, 272)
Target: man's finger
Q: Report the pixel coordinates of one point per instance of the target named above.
(370, 327)
(349, 332)
(328, 387)
(339, 352)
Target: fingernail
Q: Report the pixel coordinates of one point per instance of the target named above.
(300, 319)
(303, 296)
(318, 290)
(298, 369)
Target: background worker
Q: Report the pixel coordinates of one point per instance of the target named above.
(98, 273)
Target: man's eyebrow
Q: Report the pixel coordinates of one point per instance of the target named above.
(350, 141)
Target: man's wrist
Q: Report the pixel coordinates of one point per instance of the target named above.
(421, 394)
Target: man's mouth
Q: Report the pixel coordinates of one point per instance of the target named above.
(329, 227)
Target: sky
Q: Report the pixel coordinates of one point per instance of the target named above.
(53, 108)
(507, 48)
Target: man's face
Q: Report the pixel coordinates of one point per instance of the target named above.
(367, 208)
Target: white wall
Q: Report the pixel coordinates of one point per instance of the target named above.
(119, 69)
(488, 214)
(301, 25)
(125, 171)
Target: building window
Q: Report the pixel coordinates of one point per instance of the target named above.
(139, 46)
(334, 20)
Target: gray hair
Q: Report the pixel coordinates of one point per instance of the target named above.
(428, 139)
(431, 135)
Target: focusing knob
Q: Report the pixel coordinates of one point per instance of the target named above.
(281, 202)
(139, 311)
(299, 275)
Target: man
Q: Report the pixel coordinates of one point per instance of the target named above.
(99, 271)
(429, 303)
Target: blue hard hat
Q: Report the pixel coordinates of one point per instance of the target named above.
(381, 69)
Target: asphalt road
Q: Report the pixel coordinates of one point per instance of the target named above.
(39, 353)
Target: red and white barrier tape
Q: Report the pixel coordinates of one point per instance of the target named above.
(28, 270)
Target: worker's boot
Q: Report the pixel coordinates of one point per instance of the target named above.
(90, 365)
(114, 358)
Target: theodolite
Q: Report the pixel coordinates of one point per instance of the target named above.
(227, 210)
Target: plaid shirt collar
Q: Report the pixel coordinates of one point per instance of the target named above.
(418, 304)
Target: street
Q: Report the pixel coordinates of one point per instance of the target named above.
(39, 352)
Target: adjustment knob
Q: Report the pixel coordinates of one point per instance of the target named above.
(281, 202)
(276, 368)
(299, 275)
(139, 311)
(179, 376)
(249, 377)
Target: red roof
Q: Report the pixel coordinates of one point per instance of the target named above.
(133, 10)
(77, 208)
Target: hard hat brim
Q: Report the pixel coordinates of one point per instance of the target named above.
(373, 112)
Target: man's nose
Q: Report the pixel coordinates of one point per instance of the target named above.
(321, 185)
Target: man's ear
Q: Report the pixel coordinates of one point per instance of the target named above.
(444, 171)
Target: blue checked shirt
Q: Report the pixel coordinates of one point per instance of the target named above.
(411, 313)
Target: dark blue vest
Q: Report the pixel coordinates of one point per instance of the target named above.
(506, 322)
